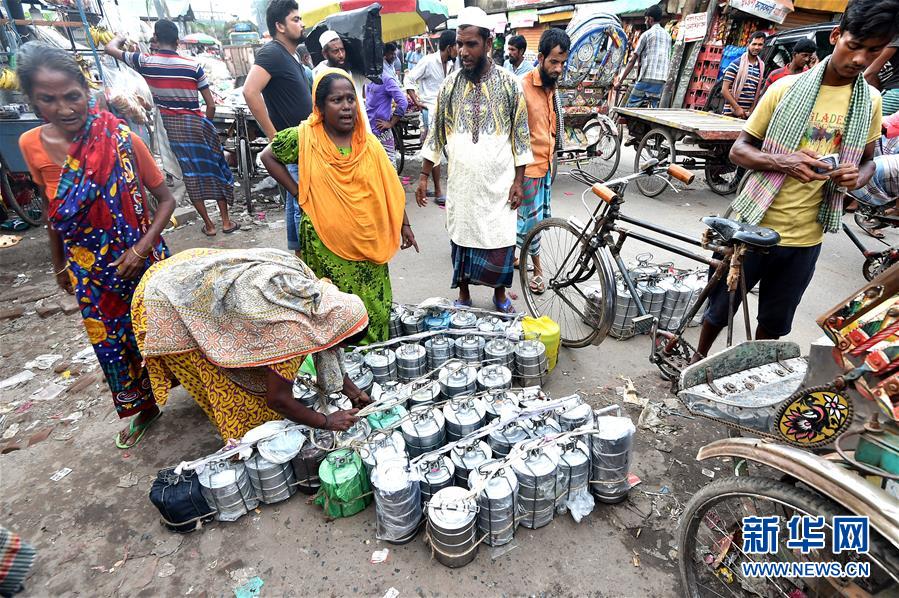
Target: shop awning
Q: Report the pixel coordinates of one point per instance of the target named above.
(822, 5)
(557, 17)
(770, 10)
(556, 14)
(615, 7)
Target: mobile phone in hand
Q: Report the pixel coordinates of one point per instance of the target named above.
(832, 161)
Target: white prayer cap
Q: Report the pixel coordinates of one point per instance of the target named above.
(327, 37)
(474, 16)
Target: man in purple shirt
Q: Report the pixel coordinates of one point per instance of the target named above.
(386, 103)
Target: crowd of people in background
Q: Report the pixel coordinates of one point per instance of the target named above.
(494, 120)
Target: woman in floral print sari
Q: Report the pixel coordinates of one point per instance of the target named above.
(95, 175)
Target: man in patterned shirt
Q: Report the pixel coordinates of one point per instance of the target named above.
(482, 121)
(654, 52)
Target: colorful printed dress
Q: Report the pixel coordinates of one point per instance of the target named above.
(100, 212)
(369, 281)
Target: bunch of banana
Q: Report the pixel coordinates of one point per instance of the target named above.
(85, 67)
(101, 35)
(8, 80)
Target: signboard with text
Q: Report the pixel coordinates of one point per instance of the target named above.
(770, 10)
(694, 26)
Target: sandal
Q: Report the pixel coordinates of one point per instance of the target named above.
(536, 285)
(15, 224)
(440, 201)
(203, 230)
(460, 303)
(139, 429)
(230, 230)
(506, 306)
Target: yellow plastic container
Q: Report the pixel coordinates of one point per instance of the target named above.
(547, 332)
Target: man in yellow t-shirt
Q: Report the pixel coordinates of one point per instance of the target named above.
(795, 211)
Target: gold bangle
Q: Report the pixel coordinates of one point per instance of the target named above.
(61, 271)
(143, 257)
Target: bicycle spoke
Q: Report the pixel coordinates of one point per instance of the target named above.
(568, 273)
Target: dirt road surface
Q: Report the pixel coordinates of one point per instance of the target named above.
(98, 535)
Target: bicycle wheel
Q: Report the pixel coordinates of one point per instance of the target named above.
(657, 144)
(27, 204)
(722, 177)
(580, 287)
(710, 541)
(400, 149)
(605, 154)
(244, 158)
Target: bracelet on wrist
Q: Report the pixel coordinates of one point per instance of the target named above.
(407, 224)
(327, 422)
(57, 273)
(143, 257)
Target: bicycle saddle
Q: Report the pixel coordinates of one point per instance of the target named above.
(733, 231)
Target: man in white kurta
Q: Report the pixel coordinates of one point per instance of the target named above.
(481, 121)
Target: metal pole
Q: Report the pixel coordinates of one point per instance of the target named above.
(90, 39)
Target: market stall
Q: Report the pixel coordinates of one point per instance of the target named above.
(69, 25)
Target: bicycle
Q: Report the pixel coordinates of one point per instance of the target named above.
(577, 264)
(21, 195)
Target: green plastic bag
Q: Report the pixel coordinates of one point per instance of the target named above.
(344, 490)
(308, 367)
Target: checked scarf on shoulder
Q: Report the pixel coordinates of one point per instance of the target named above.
(785, 131)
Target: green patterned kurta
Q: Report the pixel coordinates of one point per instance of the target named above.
(369, 281)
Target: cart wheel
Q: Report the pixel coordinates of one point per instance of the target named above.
(658, 144)
(28, 205)
(723, 177)
(602, 161)
(400, 148)
(244, 157)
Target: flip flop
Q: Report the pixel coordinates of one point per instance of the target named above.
(203, 230)
(14, 224)
(506, 306)
(140, 429)
(460, 303)
(440, 201)
(234, 228)
(517, 264)
(537, 286)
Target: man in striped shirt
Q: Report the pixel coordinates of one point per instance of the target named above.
(175, 82)
(743, 79)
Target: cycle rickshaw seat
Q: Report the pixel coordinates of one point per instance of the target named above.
(732, 231)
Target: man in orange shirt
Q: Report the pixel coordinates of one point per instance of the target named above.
(539, 87)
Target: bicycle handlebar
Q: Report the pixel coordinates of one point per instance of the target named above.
(605, 191)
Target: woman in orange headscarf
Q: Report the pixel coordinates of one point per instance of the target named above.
(354, 207)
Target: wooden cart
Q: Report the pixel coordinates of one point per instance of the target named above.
(691, 138)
